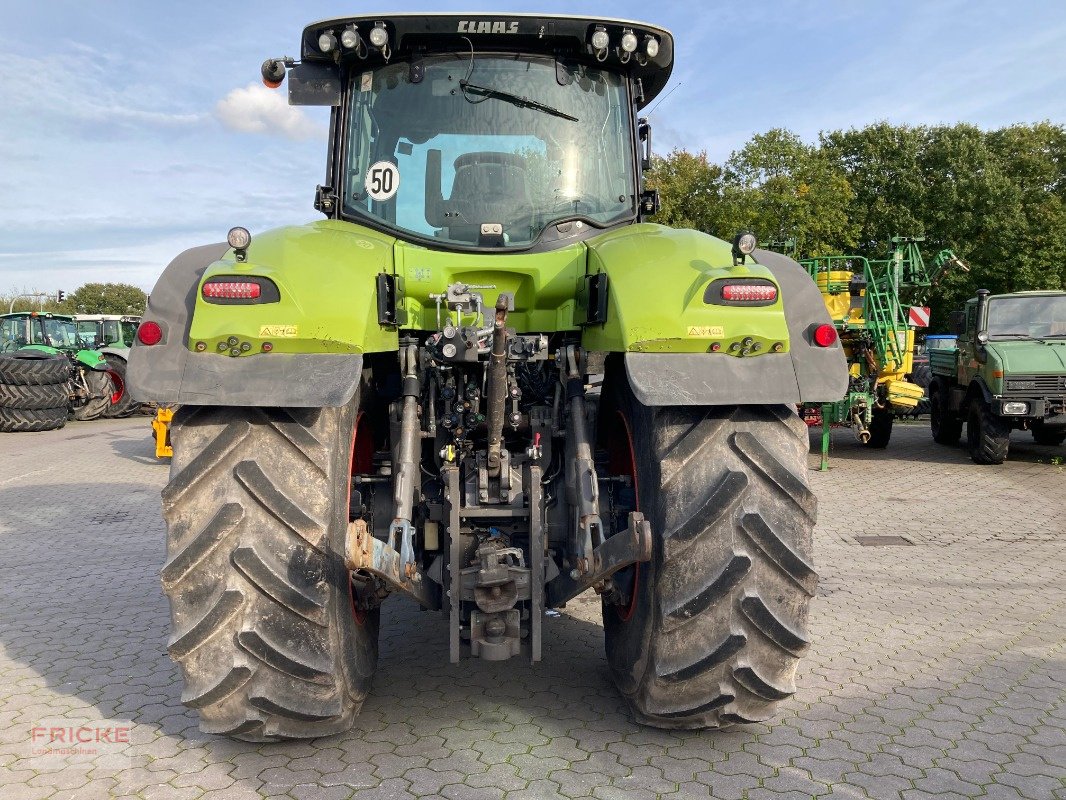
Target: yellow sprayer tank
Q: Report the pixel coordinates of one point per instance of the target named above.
(835, 288)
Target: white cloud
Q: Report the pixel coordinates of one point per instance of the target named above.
(257, 109)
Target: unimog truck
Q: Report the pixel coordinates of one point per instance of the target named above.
(1006, 372)
(484, 383)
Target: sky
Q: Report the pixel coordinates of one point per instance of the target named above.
(130, 131)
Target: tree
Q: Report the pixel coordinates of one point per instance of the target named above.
(785, 188)
(106, 298)
(690, 191)
(880, 163)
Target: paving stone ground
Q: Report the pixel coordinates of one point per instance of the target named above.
(938, 668)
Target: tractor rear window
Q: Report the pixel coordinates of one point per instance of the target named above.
(488, 140)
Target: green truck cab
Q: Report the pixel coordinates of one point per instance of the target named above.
(1006, 372)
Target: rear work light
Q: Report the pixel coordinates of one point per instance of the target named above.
(150, 333)
(232, 290)
(748, 291)
(825, 335)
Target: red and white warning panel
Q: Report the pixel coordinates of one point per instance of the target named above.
(918, 316)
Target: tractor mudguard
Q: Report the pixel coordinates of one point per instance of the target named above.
(806, 373)
(91, 359)
(169, 372)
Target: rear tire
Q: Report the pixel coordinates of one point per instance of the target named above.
(100, 389)
(880, 428)
(987, 436)
(1048, 436)
(718, 619)
(33, 368)
(18, 420)
(264, 625)
(945, 426)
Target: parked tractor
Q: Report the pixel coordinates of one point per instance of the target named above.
(485, 383)
(112, 335)
(1007, 372)
(870, 303)
(48, 372)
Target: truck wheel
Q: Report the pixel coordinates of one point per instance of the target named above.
(717, 621)
(19, 420)
(1045, 435)
(100, 389)
(52, 395)
(946, 427)
(880, 428)
(265, 628)
(125, 405)
(987, 436)
(33, 368)
(922, 376)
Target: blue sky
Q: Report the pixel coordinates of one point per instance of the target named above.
(132, 130)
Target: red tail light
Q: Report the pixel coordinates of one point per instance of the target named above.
(825, 335)
(740, 292)
(150, 333)
(232, 290)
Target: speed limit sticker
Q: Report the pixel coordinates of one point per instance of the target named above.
(382, 180)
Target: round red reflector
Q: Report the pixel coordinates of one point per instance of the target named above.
(825, 335)
(150, 333)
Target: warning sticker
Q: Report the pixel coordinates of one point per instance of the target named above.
(707, 331)
(278, 331)
(382, 180)
(366, 81)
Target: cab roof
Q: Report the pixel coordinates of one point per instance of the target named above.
(556, 35)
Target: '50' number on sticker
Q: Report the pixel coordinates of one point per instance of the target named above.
(382, 180)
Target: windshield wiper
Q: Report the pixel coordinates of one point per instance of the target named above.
(518, 100)
(1053, 336)
(1015, 335)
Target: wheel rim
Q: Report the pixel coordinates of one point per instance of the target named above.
(360, 462)
(120, 387)
(622, 462)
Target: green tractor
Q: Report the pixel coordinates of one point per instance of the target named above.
(112, 335)
(485, 382)
(49, 372)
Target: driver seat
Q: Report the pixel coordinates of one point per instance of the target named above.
(488, 187)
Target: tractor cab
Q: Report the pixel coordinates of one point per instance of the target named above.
(19, 330)
(489, 133)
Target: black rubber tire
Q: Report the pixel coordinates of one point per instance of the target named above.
(719, 618)
(945, 426)
(125, 406)
(880, 429)
(922, 376)
(264, 629)
(1048, 436)
(987, 436)
(52, 395)
(27, 369)
(19, 420)
(101, 389)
